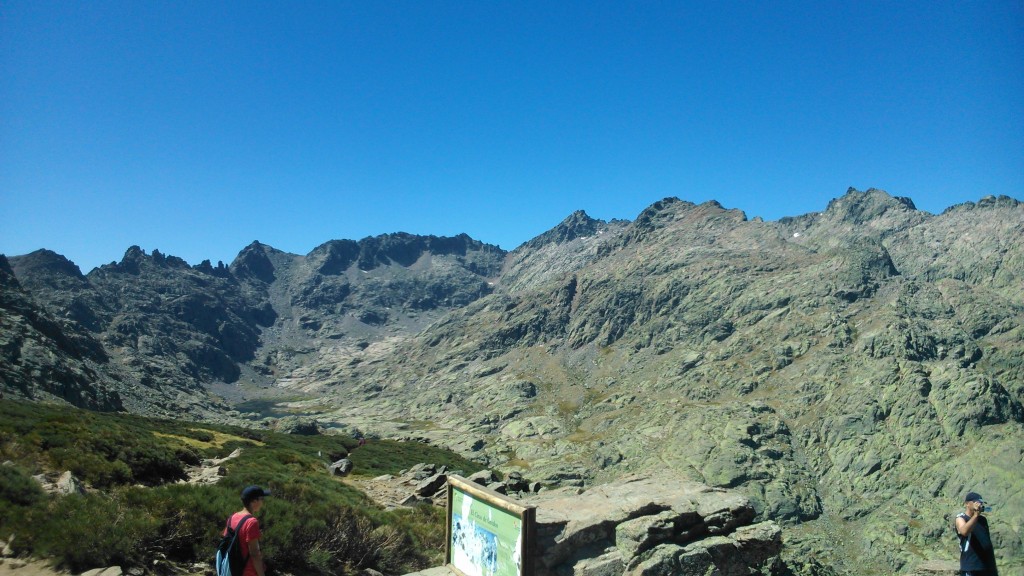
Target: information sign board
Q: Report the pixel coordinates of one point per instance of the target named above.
(489, 534)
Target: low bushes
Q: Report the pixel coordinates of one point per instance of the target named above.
(17, 488)
(102, 450)
(134, 511)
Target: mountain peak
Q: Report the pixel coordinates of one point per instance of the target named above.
(45, 262)
(576, 225)
(856, 207)
(253, 262)
(990, 201)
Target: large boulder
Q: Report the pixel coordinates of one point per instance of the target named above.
(432, 485)
(643, 525)
(341, 468)
(68, 484)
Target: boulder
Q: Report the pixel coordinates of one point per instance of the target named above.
(430, 486)
(484, 477)
(410, 500)
(110, 571)
(218, 461)
(422, 471)
(650, 525)
(608, 564)
(67, 484)
(515, 483)
(643, 533)
(341, 468)
(205, 474)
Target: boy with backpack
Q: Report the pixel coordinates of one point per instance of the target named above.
(239, 552)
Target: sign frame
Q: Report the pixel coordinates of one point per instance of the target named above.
(527, 516)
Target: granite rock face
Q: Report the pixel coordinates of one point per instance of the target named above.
(652, 525)
(44, 357)
(852, 372)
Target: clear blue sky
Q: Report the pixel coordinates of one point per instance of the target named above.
(197, 127)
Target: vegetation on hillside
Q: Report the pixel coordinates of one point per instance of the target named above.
(135, 510)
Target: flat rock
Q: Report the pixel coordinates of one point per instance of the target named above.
(608, 564)
(430, 486)
(110, 571)
(637, 516)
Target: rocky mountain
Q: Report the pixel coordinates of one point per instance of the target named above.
(852, 372)
(41, 358)
(164, 334)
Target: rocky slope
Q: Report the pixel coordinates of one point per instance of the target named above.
(852, 372)
(41, 358)
(158, 328)
(852, 382)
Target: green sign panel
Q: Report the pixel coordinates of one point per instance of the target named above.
(485, 538)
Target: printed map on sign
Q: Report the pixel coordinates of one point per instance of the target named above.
(486, 540)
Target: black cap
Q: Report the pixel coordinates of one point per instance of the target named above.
(973, 497)
(253, 492)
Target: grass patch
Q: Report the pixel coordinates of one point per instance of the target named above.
(203, 439)
(265, 408)
(378, 457)
(421, 425)
(581, 436)
(567, 409)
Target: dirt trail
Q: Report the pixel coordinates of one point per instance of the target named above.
(13, 567)
(19, 567)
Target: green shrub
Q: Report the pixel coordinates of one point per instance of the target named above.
(379, 457)
(187, 455)
(190, 518)
(338, 541)
(425, 524)
(200, 435)
(90, 467)
(90, 531)
(18, 494)
(313, 524)
(102, 450)
(18, 488)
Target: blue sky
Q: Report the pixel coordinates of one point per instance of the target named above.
(197, 127)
